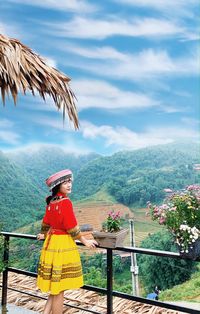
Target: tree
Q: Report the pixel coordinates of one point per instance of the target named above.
(94, 277)
(163, 272)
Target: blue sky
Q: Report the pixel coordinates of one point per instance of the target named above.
(134, 66)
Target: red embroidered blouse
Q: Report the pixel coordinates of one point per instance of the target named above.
(60, 215)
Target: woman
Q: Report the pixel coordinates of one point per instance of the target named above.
(60, 266)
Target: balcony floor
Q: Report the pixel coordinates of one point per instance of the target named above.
(79, 297)
(13, 309)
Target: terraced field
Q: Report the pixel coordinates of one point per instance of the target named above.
(94, 210)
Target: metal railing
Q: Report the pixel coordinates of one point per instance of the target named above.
(110, 293)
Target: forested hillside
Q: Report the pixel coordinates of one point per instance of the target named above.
(135, 177)
(131, 177)
(43, 162)
(22, 185)
(21, 202)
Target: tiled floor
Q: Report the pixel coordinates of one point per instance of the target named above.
(13, 309)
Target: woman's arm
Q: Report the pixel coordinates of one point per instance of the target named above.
(71, 225)
(44, 229)
(91, 244)
(77, 235)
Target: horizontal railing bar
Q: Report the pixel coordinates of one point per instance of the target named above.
(32, 274)
(22, 272)
(95, 289)
(124, 296)
(118, 294)
(41, 297)
(149, 251)
(123, 249)
(115, 293)
(19, 235)
(155, 303)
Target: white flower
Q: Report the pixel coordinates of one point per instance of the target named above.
(183, 227)
(195, 230)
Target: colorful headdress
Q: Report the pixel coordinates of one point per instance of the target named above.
(58, 178)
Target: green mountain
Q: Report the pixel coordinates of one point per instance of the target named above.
(129, 177)
(135, 177)
(20, 201)
(41, 163)
(23, 186)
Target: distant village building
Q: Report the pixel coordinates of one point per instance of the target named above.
(167, 190)
(196, 167)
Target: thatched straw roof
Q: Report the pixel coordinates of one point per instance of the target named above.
(79, 297)
(22, 70)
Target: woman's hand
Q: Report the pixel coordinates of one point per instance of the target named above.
(91, 244)
(40, 236)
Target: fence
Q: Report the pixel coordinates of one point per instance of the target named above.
(109, 289)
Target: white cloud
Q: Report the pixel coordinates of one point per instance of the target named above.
(68, 147)
(52, 124)
(175, 7)
(191, 36)
(81, 27)
(176, 10)
(50, 61)
(5, 124)
(7, 135)
(104, 53)
(2, 28)
(124, 138)
(190, 121)
(171, 109)
(146, 64)
(100, 94)
(63, 5)
(37, 103)
(159, 4)
(10, 29)
(91, 94)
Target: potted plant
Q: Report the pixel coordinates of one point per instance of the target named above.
(112, 234)
(180, 213)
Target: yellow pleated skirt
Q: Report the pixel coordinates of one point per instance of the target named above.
(59, 266)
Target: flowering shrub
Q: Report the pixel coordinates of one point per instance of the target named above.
(113, 222)
(181, 215)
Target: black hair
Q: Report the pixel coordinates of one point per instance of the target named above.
(54, 192)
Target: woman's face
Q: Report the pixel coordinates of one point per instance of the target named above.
(66, 186)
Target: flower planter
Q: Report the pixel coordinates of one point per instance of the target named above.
(193, 253)
(180, 213)
(110, 239)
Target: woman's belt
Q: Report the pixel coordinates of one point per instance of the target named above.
(53, 231)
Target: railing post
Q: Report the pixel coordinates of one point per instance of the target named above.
(5, 271)
(109, 281)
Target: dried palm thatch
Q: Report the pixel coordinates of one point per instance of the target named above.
(80, 298)
(22, 70)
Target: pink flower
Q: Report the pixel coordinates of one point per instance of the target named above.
(161, 220)
(164, 206)
(172, 208)
(193, 187)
